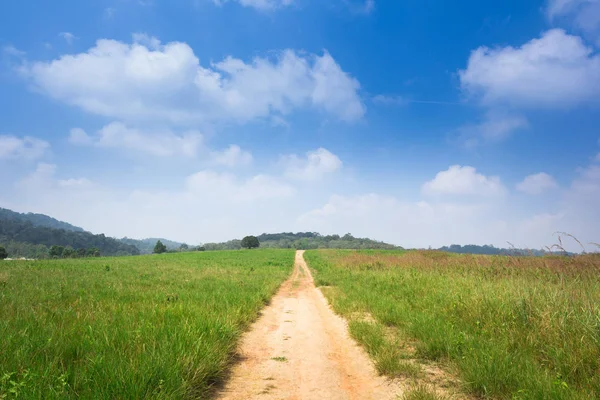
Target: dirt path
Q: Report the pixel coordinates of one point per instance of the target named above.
(299, 349)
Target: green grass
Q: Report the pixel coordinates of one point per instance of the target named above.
(422, 393)
(512, 327)
(388, 355)
(161, 326)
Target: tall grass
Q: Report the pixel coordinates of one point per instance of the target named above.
(129, 328)
(513, 327)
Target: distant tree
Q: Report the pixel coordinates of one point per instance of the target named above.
(81, 252)
(159, 248)
(3, 253)
(200, 248)
(68, 252)
(93, 252)
(56, 251)
(250, 242)
(183, 247)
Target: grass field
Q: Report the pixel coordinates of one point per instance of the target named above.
(511, 328)
(161, 326)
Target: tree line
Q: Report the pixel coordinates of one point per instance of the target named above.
(491, 250)
(305, 241)
(24, 239)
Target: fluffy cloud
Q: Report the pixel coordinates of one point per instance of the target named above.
(68, 36)
(537, 184)
(585, 14)
(314, 166)
(162, 144)
(74, 183)
(232, 157)
(263, 5)
(495, 127)
(556, 70)
(588, 181)
(580, 206)
(149, 81)
(25, 148)
(410, 224)
(459, 180)
(203, 206)
(225, 187)
(213, 206)
(44, 178)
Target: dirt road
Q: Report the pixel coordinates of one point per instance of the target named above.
(299, 349)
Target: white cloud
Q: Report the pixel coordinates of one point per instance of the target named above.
(585, 15)
(44, 178)
(109, 12)
(68, 36)
(459, 180)
(588, 181)
(580, 206)
(162, 143)
(74, 183)
(226, 187)
(537, 184)
(213, 206)
(41, 178)
(409, 224)
(13, 51)
(263, 5)
(314, 166)
(597, 159)
(389, 100)
(232, 157)
(203, 206)
(546, 222)
(25, 148)
(556, 70)
(149, 81)
(369, 6)
(495, 127)
(79, 136)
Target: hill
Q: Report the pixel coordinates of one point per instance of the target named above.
(146, 246)
(305, 241)
(22, 237)
(39, 220)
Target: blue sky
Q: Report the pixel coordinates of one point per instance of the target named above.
(415, 122)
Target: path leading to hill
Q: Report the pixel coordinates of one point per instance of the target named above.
(299, 349)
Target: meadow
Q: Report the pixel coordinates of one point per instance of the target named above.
(508, 327)
(157, 326)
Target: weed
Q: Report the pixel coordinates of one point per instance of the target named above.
(280, 359)
(268, 389)
(422, 393)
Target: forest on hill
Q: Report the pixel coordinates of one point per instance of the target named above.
(37, 236)
(38, 220)
(305, 241)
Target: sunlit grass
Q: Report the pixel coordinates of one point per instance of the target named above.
(132, 327)
(513, 327)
